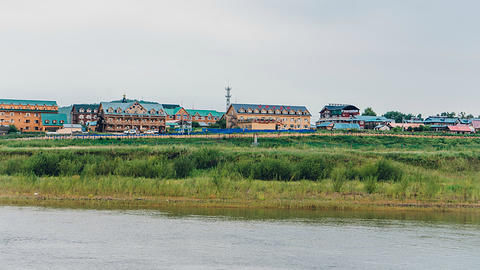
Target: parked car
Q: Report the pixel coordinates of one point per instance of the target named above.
(130, 131)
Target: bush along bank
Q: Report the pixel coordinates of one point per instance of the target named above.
(317, 173)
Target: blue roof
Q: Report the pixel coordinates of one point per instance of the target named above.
(440, 119)
(159, 110)
(366, 118)
(303, 109)
(54, 119)
(28, 102)
(346, 126)
(324, 124)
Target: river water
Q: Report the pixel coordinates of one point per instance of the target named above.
(53, 238)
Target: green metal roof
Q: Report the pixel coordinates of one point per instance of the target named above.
(204, 113)
(172, 111)
(28, 102)
(51, 117)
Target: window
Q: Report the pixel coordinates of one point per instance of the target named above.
(12, 114)
(47, 121)
(61, 121)
(54, 121)
(95, 111)
(89, 110)
(80, 116)
(36, 128)
(89, 116)
(27, 121)
(27, 128)
(81, 110)
(36, 121)
(27, 114)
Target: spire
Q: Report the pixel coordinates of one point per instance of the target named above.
(124, 100)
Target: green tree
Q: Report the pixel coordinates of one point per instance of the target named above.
(12, 129)
(447, 114)
(222, 123)
(369, 112)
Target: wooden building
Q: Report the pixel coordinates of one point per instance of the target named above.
(83, 113)
(53, 121)
(337, 113)
(26, 115)
(205, 117)
(284, 117)
(136, 115)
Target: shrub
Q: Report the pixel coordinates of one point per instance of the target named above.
(370, 184)
(338, 178)
(183, 166)
(44, 164)
(313, 169)
(272, 169)
(206, 158)
(386, 170)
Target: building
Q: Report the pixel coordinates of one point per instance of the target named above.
(204, 117)
(272, 117)
(460, 129)
(135, 115)
(4, 130)
(476, 124)
(339, 111)
(70, 129)
(370, 122)
(26, 115)
(84, 113)
(441, 121)
(345, 126)
(177, 114)
(52, 122)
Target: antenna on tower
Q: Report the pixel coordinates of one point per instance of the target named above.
(228, 96)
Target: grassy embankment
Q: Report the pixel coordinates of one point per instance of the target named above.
(295, 172)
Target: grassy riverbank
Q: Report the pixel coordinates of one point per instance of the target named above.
(295, 172)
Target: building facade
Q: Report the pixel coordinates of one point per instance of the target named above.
(205, 117)
(284, 117)
(53, 121)
(83, 113)
(122, 116)
(26, 115)
(337, 113)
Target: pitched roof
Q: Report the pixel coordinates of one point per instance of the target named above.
(124, 106)
(274, 107)
(324, 124)
(28, 102)
(92, 107)
(204, 113)
(172, 111)
(48, 119)
(346, 126)
(332, 107)
(440, 119)
(366, 118)
(460, 128)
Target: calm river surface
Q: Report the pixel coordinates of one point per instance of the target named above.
(52, 238)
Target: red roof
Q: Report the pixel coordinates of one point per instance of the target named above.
(460, 128)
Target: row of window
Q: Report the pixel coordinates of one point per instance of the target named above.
(297, 120)
(119, 110)
(88, 116)
(82, 110)
(54, 121)
(189, 117)
(13, 114)
(118, 120)
(27, 108)
(263, 111)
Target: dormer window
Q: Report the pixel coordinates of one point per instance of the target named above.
(270, 111)
(284, 112)
(95, 111)
(119, 110)
(264, 111)
(241, 110)
(47, 121)
(152, 111)
(110, 110)
(256, 111)
(89, 110)
(81, 110)
(250, 110)
(54, 121)
(61, 121)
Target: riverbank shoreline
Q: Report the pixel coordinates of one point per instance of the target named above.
(152, 203)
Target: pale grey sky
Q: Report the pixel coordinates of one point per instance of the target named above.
(415, 56)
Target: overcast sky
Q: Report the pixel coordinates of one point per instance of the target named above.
(413, 56)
